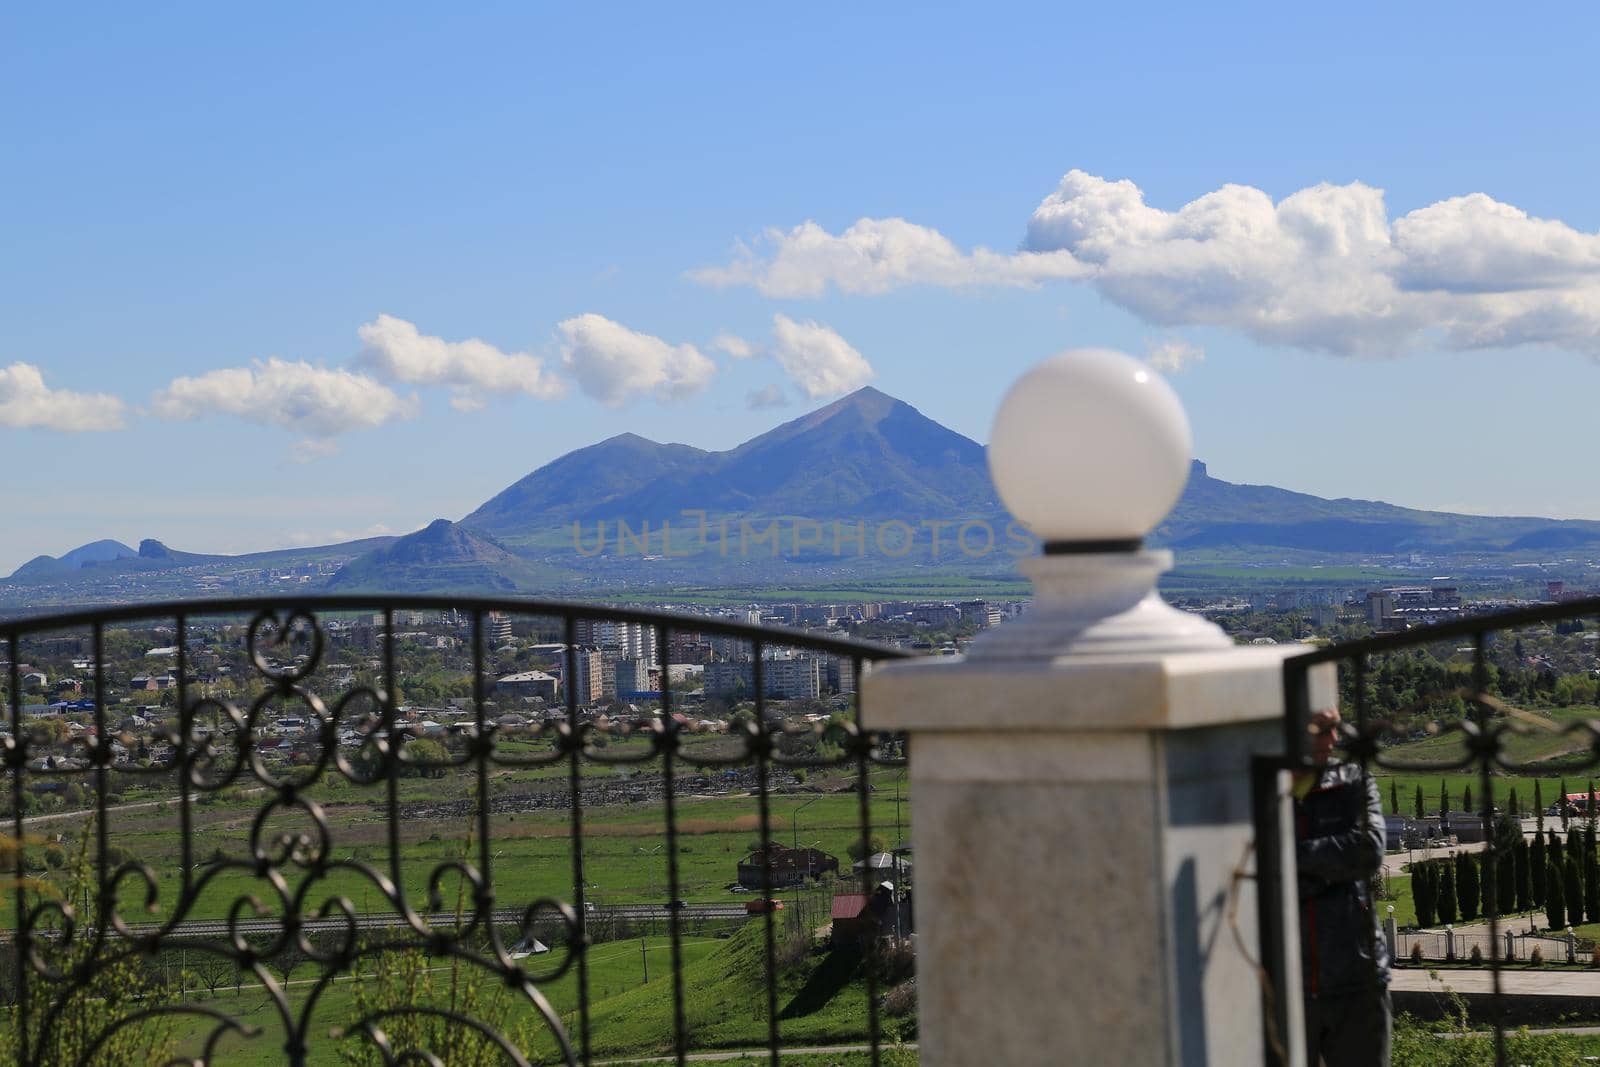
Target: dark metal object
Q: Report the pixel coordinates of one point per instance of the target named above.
(1084, 548)
(291, 868)
(1364, 737)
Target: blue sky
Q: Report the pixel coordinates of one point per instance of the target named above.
(194, 190)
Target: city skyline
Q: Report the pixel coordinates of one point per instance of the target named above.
(348, 282)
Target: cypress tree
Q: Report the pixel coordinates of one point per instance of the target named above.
(1468, 891)
(1538, 805)
(1495, 877)
(1561, 803)
(1537, 862)
(1506, 869)
(1394, 795)
(1555, 909)
(1572, 890)
(1513, 805)
(1553, 849)
(1422, 893)
(1524, 876)
(1466, 798)
(1420, 812)
(1591, 802)
(1591, 889)
(1444, 796)
(1573, 851)
(1446, 903)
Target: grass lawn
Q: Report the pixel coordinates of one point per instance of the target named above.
(1406, 785)
(1543, 743)
(532, 852)
(822, 1001)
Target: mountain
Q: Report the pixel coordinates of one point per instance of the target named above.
(866, 456)
(440, 557)
(83, 556)
(1219, 516)
(578, 526)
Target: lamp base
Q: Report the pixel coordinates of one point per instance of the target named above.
(1098, 604)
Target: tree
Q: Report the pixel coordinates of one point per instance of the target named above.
(424, 756)
(1591, 888)
(1591, 802)
(1446, 903)
(1424, 893)
(1466, 798)
(1561, 803)
(1513, 805)
(860, 850)
(1538, 805)
(1572, 889)
(1394, 795)
(1505, 875)
(1555, 908)
(1468, 889)
(1420, 813)
(1444, 796)
(1524, 874)
(1538, 863)
(1553, 849)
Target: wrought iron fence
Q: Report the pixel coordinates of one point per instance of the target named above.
(1466, 710)
(300, 730)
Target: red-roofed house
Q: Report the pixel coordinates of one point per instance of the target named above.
(851, 920)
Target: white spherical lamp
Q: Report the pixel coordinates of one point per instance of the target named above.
(1090, 448)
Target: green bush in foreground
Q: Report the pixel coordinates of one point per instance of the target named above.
(1416, 1045)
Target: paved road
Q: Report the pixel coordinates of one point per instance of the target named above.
(1512, 983)
(1393, 862)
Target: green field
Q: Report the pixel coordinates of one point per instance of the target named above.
(624, 847)
(1456, 781)
(821, 1001)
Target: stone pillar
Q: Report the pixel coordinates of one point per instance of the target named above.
(1080, 782)
(1392, 931)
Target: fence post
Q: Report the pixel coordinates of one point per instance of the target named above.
(1391, 930)
(1572, 946)
(1081, 787)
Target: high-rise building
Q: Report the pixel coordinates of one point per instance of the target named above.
(588, 675)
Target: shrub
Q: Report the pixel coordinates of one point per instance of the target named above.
(901, 1000)
(1476, 958)
(1536, 957)
(1416, 953)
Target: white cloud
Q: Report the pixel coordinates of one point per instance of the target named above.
(874, 256)
(733, 346)
(316, 402)
(769, 396)
(1324, 268)
(1173, 356)
(614, 364)
(396, 351)
(27, 403)
(816, 358)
